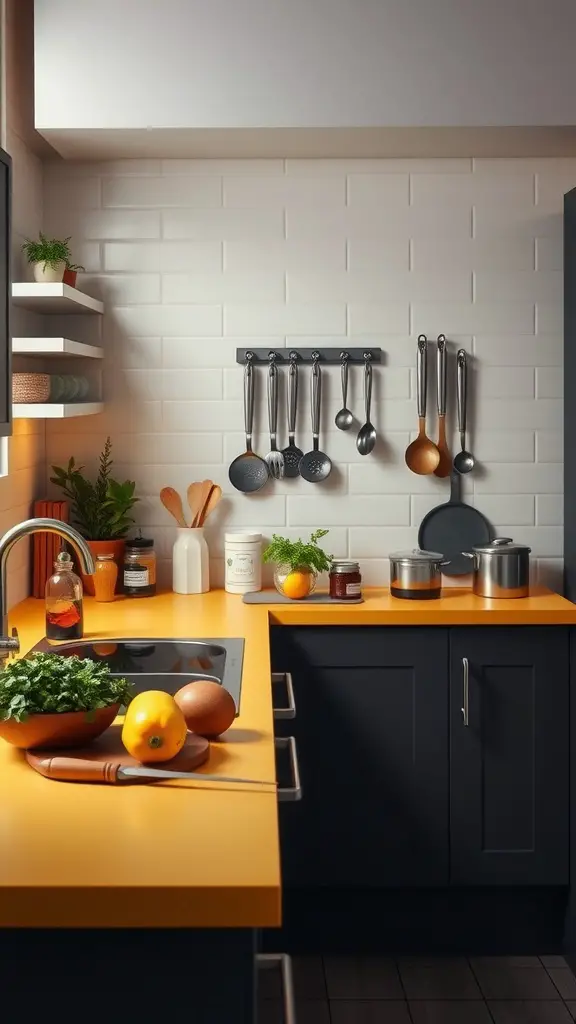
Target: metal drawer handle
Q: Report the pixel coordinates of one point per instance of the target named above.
(289, 793)
(465, 692)
(290, 711)
(282, 960)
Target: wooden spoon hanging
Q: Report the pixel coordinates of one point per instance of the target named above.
(422, 456)
(173, 502)
(213, 499)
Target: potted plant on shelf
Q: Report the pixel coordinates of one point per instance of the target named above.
(297, 564)
(100, 510)
(48, 256)
(71, 273)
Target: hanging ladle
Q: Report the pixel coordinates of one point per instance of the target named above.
(422, 456)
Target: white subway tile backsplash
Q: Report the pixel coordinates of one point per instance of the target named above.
(507, 382)
(196, 258)
(224, 224)
(376, 285)
(549, 446)
(246, 192)
(394, 510)
(475, 317)
(523, 478)
(248, 319)
(169, 321)
(284, 254)
(491, 254)
(549, 382)
(178, 190)
(128, 224)
(549, 509)
(230, 286)
(518, 350)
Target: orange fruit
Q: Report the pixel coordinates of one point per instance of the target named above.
(297, 584)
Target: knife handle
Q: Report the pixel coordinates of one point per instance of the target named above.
(72, 769)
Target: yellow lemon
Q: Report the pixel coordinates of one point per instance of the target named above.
(297, 584)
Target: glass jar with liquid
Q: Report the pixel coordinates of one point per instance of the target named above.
(64, 610)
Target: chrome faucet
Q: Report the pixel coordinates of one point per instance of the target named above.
(11, 644)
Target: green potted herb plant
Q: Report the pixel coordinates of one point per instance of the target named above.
(100, 510)
(297, 564)
(48, 700)
(48, 256)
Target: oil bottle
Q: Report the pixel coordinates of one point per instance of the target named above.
(64, 611)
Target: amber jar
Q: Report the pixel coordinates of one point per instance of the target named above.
(140, 567)
(105, 576)
(345, 581)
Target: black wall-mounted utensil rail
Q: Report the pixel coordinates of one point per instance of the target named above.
(326, 356)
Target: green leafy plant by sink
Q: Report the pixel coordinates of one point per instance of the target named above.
(100, 510)
(51, 684)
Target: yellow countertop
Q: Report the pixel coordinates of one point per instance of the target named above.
(186, 854)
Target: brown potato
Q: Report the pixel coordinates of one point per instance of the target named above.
(207, 707)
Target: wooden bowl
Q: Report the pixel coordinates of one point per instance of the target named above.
(68, 729)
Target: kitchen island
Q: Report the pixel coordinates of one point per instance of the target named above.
(131, 867)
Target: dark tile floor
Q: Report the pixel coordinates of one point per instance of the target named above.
(425, 990)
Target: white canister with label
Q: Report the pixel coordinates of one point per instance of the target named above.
(243, 560)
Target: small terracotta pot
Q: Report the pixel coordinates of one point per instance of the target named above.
(70, 277)
(68, 729)
(106, 547)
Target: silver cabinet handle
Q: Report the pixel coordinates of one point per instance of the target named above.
(289, 793)
(283, 961)
(465, 691)
(290, 711)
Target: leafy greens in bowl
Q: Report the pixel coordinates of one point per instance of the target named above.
(48, 699)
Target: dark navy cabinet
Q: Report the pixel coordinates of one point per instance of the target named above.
(397, 789)
(372, 737)
(509, 756)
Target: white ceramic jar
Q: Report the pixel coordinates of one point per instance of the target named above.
(190, 562)
(243, 558)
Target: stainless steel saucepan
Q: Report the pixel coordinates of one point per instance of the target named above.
(501, 569)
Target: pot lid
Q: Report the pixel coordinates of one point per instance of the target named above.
(502, 546)
(417, 555)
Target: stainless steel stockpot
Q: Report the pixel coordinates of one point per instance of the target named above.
(416, 575)
(501, 569)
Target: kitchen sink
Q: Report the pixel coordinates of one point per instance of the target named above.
(161, 664)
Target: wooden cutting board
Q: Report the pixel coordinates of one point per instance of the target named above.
(109, 750)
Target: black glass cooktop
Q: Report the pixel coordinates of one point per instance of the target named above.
(162, 664)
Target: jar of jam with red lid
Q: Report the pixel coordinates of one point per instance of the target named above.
(345, 581)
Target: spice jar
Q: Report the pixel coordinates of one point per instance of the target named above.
(345, 581)
(140, 567)
(105, 576)
(243, 558)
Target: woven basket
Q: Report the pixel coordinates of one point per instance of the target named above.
(30, 387)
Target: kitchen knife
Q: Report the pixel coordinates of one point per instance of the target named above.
(73, 769)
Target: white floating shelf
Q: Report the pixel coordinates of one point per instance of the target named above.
(54, 410)
(54, 298)
(54, 347)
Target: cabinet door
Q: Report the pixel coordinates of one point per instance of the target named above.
(509, 765)
(5, 288)
(372, 740)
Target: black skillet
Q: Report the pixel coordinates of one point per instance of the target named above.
(452, 528)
